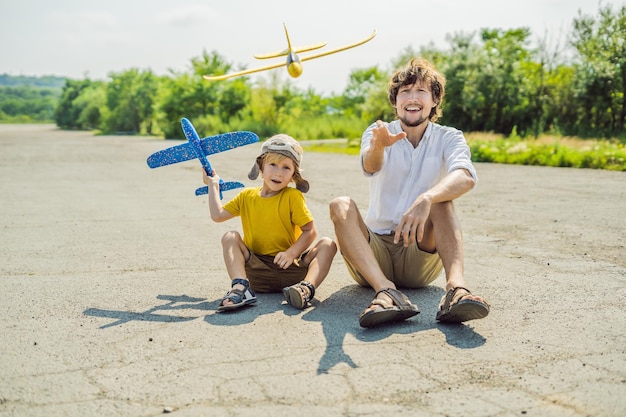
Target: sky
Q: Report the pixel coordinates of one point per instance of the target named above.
(91, 39)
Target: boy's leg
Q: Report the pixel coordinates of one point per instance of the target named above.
(318, 260)
(235, 254)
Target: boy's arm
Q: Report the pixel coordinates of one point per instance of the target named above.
(218, 214)
(308, 236)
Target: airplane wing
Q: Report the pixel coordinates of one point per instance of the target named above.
(224, 186)
(210, 145)
(244, 72)
(282, 64)
(343, 48)
(284, 52)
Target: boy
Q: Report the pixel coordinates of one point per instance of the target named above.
(278, 229)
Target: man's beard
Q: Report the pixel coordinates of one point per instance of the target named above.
(416, 123)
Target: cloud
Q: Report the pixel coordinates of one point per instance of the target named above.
(94, 28)
(191, 15)
(82, 19)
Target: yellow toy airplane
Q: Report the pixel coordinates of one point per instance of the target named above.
(294, 62)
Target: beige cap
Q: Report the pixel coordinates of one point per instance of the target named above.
(287, 146)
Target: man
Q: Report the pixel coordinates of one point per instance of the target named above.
(416, 169)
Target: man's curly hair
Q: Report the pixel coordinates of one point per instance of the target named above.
(419, 70)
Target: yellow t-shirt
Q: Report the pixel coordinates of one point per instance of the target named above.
(270, 225)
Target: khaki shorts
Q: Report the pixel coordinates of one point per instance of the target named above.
(265, 276)
(406, 267)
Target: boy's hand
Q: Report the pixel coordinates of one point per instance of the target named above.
(208, 180)
(283, 260)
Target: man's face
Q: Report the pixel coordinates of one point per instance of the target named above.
(414, 104)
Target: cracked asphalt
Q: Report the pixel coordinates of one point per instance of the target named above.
(111, 274)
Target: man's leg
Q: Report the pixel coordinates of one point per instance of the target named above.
(444, 233)
(389, 305)
(352, 239)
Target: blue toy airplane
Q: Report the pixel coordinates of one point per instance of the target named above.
(197, 148)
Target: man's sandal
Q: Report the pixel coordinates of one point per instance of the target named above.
(238, 297)
(384, 311)
(453, 309)
(298, 296)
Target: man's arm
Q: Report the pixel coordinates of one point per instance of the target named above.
(374, 157)
(451, 187)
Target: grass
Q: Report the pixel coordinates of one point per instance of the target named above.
(546, 150)
(549, 150)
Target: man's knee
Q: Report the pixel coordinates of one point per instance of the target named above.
(340, 207)
(442, 211)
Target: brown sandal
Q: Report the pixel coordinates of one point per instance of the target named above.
(399, 309)
(453, 309)
(297, 295)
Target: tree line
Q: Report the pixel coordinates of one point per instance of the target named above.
(29, 99)
(497, 81)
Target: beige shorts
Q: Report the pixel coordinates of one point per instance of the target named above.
(406, 267)
(267, 277)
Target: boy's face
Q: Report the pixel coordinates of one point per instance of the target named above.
(277, 172)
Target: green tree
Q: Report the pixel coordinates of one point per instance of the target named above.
(211, 106)
(463, 101)
(233, 98)
(130, 96)
(26, 103)
(601, 74)
(264, 110)
(361, 83)
(501, 79)
(90, 104)
(552, 77)
(43, 81)
(67, 112)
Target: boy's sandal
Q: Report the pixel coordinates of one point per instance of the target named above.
(238, 297)
(297, 296)
(453, 309)
(384, 311)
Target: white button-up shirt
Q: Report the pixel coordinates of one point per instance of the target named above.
(408, 172)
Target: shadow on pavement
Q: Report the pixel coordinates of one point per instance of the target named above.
(338, 316)
(339, 313)
(122, 317)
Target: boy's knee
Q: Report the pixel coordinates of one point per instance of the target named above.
(326, 244)
(330, 244)
(230, 236)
